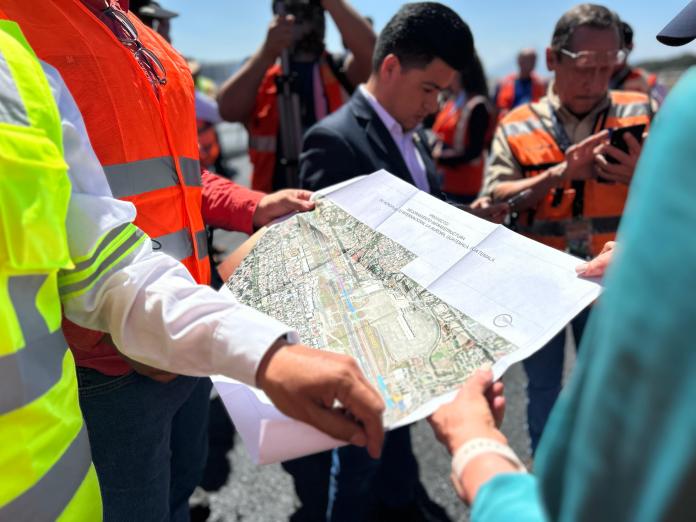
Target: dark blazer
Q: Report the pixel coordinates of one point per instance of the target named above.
(353, 141)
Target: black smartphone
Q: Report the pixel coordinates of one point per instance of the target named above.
(616, 138)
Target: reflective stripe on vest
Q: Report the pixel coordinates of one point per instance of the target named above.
(45, 455)
(97, 267)
(152, 129)
(11, 107)
(49, 497)
(264, 123)
(30, 372)
(178, 244)
(263, 143)
(536, 150)
(139, 177)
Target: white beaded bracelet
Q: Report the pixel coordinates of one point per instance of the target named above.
(475, 447)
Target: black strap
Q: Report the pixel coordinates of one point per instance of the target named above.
(559, 133)
(600, 225)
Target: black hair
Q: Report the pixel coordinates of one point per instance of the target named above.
(627, 33)
(589, 15)
(420, 32)
(473, 78)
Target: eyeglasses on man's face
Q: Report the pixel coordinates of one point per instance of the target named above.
(595, 59)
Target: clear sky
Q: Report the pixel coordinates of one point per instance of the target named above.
(217, 30)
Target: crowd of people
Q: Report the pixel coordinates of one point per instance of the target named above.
(110, 326)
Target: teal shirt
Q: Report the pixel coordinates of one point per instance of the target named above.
(621, 443)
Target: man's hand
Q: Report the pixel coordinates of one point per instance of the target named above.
(599, 264)
(484, 208)
(279, 37)
(305, 384)
(477, 411)
(280, 203)
(580, 158)
(621, 172)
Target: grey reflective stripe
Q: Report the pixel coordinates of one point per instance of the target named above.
(34, 369)
(191, 170)
(631, 109)
(108, 238)
(177, 244)
(23, 291)
(30, 372)
(262, 143)
(202, 243)
(49, 497)
(103, 267)
(12, 108)
(522, 127)
(138, 177)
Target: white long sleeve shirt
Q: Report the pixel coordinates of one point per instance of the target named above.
(151, 306)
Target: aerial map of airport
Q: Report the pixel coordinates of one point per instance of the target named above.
(338, 283)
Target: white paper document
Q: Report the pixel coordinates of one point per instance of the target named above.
(419, 292)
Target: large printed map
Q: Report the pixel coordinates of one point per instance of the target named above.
(339, 284)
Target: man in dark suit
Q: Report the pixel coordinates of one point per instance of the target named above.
(415, 58)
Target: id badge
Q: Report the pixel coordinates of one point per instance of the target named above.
(578, 234)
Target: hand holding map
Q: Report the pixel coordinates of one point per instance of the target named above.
(419, 293)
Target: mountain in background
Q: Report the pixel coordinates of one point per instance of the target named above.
(678, 63)
(220, 71)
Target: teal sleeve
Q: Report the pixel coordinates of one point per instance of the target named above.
(622, 435)
(512, 496)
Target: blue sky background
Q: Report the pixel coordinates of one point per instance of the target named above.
(219, 30)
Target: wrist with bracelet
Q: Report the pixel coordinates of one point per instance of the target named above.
(473, 448)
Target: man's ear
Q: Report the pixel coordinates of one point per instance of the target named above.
(551, 59)
(390, 67)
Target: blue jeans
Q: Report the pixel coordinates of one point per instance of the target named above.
(360, 483)
(545, 375)
(311, 478)
(149, 442)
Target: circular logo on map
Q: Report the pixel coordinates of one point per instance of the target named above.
(503, 320)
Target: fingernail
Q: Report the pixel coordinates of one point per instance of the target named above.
(358, 439)
(581, 269)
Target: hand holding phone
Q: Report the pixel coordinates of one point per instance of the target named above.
(616, 139)
(615, 162)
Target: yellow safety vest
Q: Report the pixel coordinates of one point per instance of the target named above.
(46, 470)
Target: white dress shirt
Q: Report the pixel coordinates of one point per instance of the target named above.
(403, 141)
(152, 307)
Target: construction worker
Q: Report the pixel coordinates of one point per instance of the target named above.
(135, 94)
(323, 81)
(464, 130)
(65, 241)
(522, 87)
(558, 148)
(629, 78)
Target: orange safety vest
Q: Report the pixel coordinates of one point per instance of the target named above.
(264, 124)
(601, 205)
(638, 80)
(452, 128)
(146, 142)
(505, 99)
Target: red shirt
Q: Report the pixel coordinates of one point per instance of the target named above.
(225, 205)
